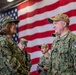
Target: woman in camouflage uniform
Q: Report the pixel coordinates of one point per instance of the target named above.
(44, 64)
(12, 60)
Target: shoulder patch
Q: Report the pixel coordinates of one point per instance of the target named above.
(74, 44)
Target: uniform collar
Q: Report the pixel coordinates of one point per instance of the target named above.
(63, 37)
(46, 56)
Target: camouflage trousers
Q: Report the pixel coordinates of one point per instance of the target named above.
(54, 72)
(19, 72)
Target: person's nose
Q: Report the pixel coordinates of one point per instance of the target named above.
(54, 26)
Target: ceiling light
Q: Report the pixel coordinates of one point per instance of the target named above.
(10, 0)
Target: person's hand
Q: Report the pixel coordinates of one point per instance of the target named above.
(38, 70)
(44, 68)
(28, 73)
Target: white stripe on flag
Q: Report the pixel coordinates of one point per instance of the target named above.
(48, 14)
(39, 41)
(35, 6)
(35, 30)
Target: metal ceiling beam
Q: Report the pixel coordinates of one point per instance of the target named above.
(10, 5)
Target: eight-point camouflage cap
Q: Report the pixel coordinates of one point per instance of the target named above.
(23, 41)
(59, 17)
(6, 20)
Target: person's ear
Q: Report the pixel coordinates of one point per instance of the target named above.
(47, 48)
(64, 24)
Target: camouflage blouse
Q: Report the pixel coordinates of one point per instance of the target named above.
(45, 61)
(27, 60)
(63, 55)
(12, 59)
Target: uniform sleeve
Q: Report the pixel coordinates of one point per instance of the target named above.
(1, 60)
(7, 58)
(40, 61)
(29, 61)
(74, 53)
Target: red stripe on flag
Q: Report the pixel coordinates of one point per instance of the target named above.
(34, 24)
(44, 9)
(70, 13)
(34, 73)
(35, 61)
(28, 3)
(35, 48)
(73, 27)
(39, 35)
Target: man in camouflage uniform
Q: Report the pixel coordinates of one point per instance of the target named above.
(23, 44)
(12, 60)
(44, 64)
(63, 55)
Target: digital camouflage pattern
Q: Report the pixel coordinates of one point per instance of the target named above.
(23, 43)
(12, 60)
(47, 62)
(27, 60)
(63, 55)
(7, 19)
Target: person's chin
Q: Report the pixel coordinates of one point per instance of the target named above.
(14, 32)
(42, 52)
(56, 32)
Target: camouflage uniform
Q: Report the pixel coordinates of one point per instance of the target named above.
(27, 60)
(47, 62)
(12, 60)
(63, 55)
(23, 44)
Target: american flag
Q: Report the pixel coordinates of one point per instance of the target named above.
(33, 26)
(13, 13)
